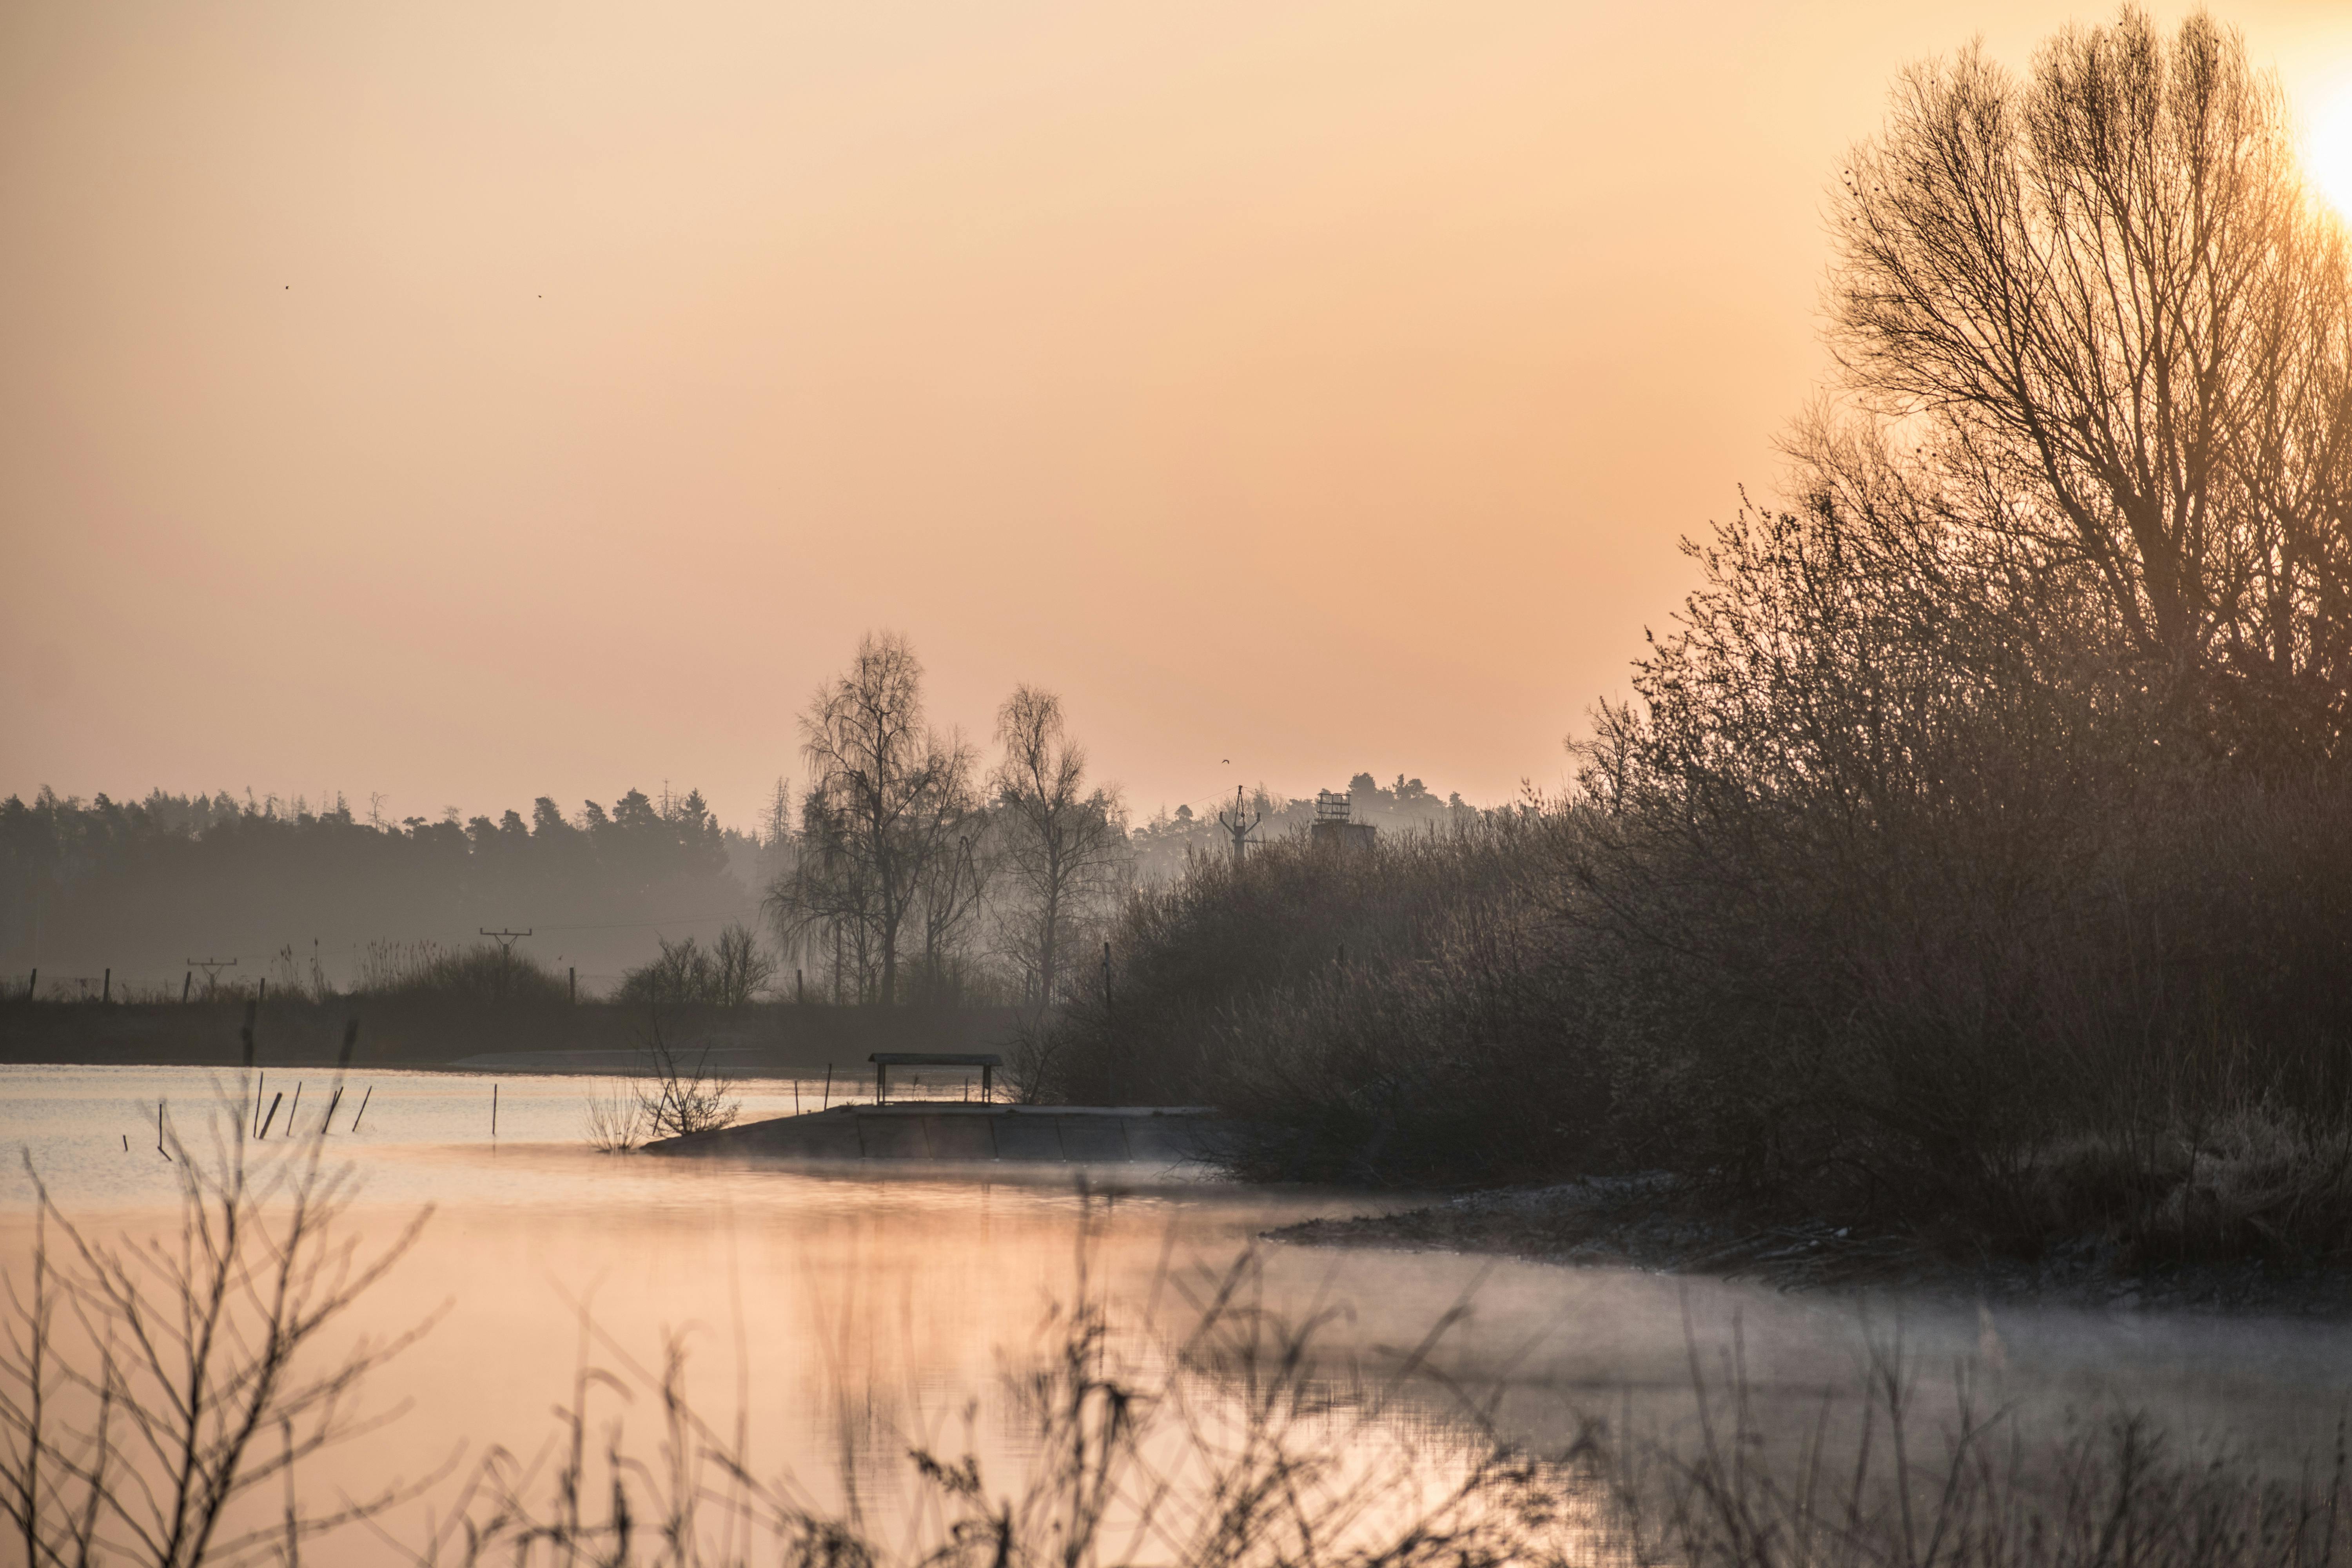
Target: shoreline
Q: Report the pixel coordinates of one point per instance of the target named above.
(1650, 1224)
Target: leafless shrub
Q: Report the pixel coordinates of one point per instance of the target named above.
(674, 1100)
(730, 974)
(151, 1388)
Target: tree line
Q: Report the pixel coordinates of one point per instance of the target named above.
(909, 867)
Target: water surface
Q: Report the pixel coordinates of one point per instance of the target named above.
(856, 1311)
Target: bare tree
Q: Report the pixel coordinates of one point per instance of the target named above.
(884, 791)
(1064, 842)
(2099, 311)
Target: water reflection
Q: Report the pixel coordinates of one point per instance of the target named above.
(854, 1312)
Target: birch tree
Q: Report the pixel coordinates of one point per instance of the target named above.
(1063, 842)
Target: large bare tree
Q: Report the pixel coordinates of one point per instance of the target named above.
(2099, 313)
(885, 793)
(1064, 842)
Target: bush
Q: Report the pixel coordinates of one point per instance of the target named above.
(730, 973)
(484, 973)
(1400, 1014)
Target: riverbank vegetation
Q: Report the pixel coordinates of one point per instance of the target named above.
(1968, 860)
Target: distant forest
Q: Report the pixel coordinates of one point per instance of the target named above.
(316, 898)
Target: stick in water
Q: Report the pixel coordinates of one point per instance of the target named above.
(494, 1110)
(158, 1132)
(273, 1114)
(327, 1122)
(362, 1110)
(261, 1087)
(293, 1107)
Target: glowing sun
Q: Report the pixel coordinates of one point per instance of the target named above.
(2328, 151)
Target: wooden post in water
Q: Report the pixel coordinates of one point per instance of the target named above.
(494, 1110)
(272, 1116)
(158, 1132)
(362, 1110)
(293, 1107)
(261, 1086)
(327, 1122)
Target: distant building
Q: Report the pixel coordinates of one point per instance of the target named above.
(1335, 831)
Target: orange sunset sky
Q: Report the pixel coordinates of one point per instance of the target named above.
(471, 402)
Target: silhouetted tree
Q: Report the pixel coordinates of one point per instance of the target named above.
(2108, 329)
(1063, 842)
(884, 789)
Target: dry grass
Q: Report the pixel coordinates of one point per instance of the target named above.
(616, 1119)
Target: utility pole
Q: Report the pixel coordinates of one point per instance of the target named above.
(505, 941)
(211, 968)
(1237, 828)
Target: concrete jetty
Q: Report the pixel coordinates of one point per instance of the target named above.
(919, 1130)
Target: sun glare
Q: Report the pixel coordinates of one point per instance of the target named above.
(2329, 152)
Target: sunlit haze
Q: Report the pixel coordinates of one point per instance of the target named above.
(464, 404)
(2329, 150)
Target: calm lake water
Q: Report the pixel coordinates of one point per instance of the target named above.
(860, 1309)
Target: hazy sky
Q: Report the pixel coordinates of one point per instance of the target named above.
(468, 402)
